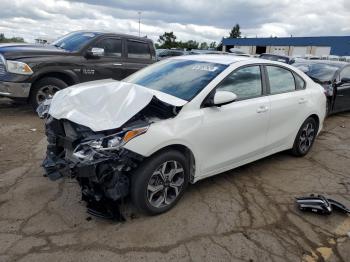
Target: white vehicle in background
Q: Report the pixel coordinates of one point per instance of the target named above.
(176, 122)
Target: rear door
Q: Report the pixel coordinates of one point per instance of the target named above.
(288, 100)
(237, 131)
(109, 65)
(342, 98)
(138, 55)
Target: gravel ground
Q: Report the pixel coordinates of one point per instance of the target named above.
(246, 214)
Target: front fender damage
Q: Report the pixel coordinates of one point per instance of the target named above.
(104, 177)
(97, 159)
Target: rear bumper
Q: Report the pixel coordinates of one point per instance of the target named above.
(14, 90)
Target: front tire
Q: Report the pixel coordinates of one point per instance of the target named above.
(305, 137)
(44, 89)
(159, 183)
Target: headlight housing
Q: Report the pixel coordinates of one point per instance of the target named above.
(88, 150)
(17, 67)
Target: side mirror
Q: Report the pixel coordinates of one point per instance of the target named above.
(224, 97)
(96, 52)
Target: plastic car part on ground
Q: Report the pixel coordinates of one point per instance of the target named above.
(320, 204)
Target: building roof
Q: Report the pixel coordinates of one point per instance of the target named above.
(340, 45)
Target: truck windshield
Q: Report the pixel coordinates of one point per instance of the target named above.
(180, 78)
(74, 41)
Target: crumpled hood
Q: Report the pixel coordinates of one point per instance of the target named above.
(105, 104)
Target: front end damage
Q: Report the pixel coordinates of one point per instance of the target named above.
(98, 159)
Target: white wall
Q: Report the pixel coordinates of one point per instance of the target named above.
(322, 50)
(245, 49)
(299, 50)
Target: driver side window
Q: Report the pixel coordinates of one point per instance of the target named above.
(112, 46)
(244, 82)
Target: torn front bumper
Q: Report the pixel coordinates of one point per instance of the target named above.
(104, 178)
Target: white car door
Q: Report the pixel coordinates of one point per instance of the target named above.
(235, 132)
(288, 99)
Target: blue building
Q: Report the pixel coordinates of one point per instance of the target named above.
(292, 46)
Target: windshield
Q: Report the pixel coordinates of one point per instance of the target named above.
(74, 41)
(181, 78)
(321, 72)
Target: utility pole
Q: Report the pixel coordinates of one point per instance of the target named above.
(139, 12)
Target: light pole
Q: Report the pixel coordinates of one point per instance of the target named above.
(139, 12)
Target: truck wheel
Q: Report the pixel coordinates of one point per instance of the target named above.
(159, 182)
(45, 88)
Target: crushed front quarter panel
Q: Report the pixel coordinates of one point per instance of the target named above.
(105, 104)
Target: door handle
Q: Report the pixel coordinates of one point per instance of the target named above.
(302, 101)
(262, 109)
(117, 64)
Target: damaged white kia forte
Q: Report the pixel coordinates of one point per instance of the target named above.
(174, 123)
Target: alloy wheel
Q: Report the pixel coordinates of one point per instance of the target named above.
(306, 137)
(46, 92)
(165, 184)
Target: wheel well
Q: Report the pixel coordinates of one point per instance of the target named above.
(62, 76)
(187, 153)
(317, 119)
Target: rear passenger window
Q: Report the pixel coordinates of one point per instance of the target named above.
(281, 80)
(138, 50)
(244, 82)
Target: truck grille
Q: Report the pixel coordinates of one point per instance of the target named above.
(2, 69)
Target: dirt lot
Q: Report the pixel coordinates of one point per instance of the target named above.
(247, 214)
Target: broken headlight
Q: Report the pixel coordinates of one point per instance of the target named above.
(87, 150)
(43, 108)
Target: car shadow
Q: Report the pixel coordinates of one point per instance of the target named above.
(10, 107)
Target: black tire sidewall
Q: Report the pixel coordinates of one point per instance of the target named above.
(141, 176)
(60, 84)
(296, 148)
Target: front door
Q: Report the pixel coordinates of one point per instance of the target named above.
(342, 98)
(109, 65)
(235, 132)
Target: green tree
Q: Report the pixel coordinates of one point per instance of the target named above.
(191, 44)
(167, 40)
(204, 46)
(212, 45)
(3, 39)
(235, 32)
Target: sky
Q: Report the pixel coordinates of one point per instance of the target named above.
(189, 19)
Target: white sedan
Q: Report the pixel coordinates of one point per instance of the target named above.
(176, 122)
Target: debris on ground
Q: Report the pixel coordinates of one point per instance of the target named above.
(320, 204)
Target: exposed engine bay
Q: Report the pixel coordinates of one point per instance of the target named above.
(97, 159)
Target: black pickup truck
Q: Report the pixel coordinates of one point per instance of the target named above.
(35, 72)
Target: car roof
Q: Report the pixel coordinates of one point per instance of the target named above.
(223, 59)
(277, 55)
(102, 32)
(339, 64)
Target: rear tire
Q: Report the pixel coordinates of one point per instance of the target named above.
(305, 137)
(159, 183)
(45, 88)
